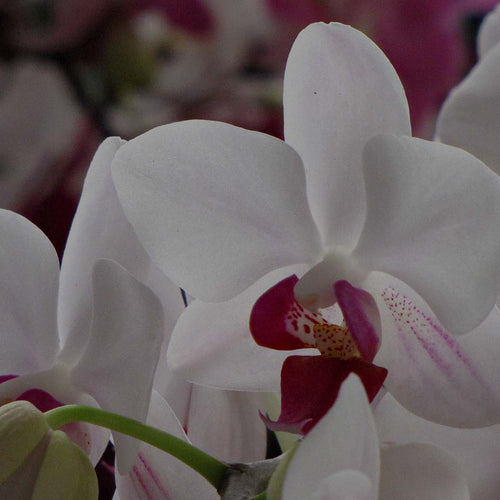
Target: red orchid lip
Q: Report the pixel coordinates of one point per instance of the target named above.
(310, 384)
(278, 321)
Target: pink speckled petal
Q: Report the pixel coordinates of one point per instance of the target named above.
(443, 378)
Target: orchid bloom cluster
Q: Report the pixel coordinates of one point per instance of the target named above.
(353, 267)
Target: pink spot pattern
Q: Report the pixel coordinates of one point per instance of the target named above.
(440, 346)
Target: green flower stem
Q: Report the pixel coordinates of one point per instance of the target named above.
(209, 467)
(261, 496)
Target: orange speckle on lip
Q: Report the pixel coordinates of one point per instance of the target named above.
(334, 341)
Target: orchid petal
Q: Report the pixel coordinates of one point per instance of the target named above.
(339, 91)
(156, 475)
(470, 116)
(211, 344)
(101, 230)
(489, 33)
(92, 439)
(431, 210)
(421, 472)
(225, 205)
(123, 349)
(310, 386)
(476, 450)
(174, 389)
(345, 485)
(362, 317)
(345, 438)
(441, 377)
(56, 384)
(227, 425)
(28, 296)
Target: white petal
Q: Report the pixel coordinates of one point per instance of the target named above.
(489, 33)
(476, 450)
(227, 424)
(215, 206)
(29, 274)
(56, 381)
(432, 216)
(470, 116)
(339, 91)
(420, 472)
(174, 389)
(211, 344)
(101, 230)
(118, 365)
(345, 485)
(441, 377)
(345, 438)
(156, 475)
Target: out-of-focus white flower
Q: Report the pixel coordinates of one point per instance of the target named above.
(39, 124)
(470, 116)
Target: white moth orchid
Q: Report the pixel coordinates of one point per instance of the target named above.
(227, 213)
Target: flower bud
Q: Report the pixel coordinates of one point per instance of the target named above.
(37, 463)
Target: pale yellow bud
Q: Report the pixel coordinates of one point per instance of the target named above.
(37, 463)
(22, 427)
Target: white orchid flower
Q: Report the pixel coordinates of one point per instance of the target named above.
(226, 213)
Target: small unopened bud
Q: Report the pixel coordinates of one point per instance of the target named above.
(37, 463)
